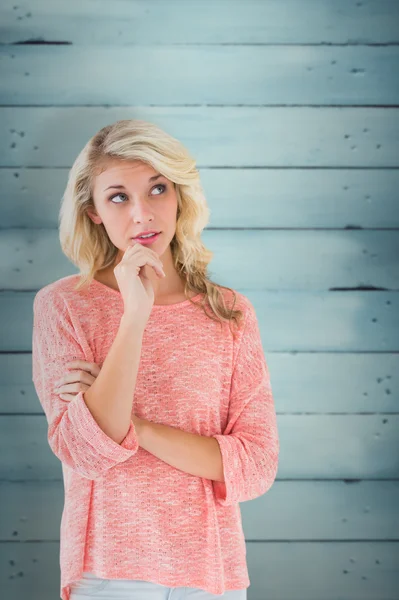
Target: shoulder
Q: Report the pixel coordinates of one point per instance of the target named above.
(248, 322)
(57, 294)
(234, 297)
(239, 301)
(64, 288)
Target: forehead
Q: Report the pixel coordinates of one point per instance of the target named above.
(123, 170)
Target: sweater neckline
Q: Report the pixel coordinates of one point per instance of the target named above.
(157, 307)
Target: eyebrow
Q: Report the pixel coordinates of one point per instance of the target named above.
(119, 187)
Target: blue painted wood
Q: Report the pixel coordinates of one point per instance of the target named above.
(288, 321)
(328, 510)
(330, 163)
(277, 570)
(193, 75)
(216, 136)
(150, 22)
(311, 571)
(366, 447)
(275, 198)
(335, 382)
(255, 259)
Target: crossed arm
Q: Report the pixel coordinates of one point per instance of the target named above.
(195, 454)
(241, 461)
(192, 453)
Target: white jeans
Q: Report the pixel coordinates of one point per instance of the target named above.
(131, 589)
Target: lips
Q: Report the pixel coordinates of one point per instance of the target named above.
(146, 233)
(148, 240)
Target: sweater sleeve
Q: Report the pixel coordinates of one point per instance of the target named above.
(250, 443)
(73, 434)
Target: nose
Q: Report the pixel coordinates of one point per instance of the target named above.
(141, 211)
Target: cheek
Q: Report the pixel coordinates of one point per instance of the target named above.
(113, 222)
(171, 208)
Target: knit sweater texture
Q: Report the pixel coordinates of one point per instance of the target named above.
(128, 514)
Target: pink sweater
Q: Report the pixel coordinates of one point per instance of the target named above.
(127, 514)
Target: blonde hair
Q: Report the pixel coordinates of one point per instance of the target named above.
(88, 245)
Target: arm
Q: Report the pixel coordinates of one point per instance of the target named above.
(192, 453)
(74, 435)
(242, 462)
(250, 442)
(110, 397)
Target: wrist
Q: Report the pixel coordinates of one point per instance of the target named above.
(131, 323)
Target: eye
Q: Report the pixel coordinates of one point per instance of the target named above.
(115, 195)
(160, 185)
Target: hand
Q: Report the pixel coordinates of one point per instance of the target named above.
(135, 285)
(76, 381)
(79, 381)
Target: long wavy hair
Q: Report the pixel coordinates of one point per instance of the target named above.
(88, 245)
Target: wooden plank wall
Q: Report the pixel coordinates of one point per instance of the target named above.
(291, 110)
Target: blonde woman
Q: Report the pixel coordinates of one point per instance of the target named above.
(153, 381)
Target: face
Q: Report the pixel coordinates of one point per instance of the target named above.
(127, 203)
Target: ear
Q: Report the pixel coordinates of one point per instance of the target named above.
(94, 216)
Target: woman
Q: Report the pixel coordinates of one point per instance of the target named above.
(155, 387)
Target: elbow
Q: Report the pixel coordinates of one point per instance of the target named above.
(257, 488)
(254, 482)
(267, 482)
(81, 445)
(269, 473)
(76, 464)
(260, 470)
(249, 472)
